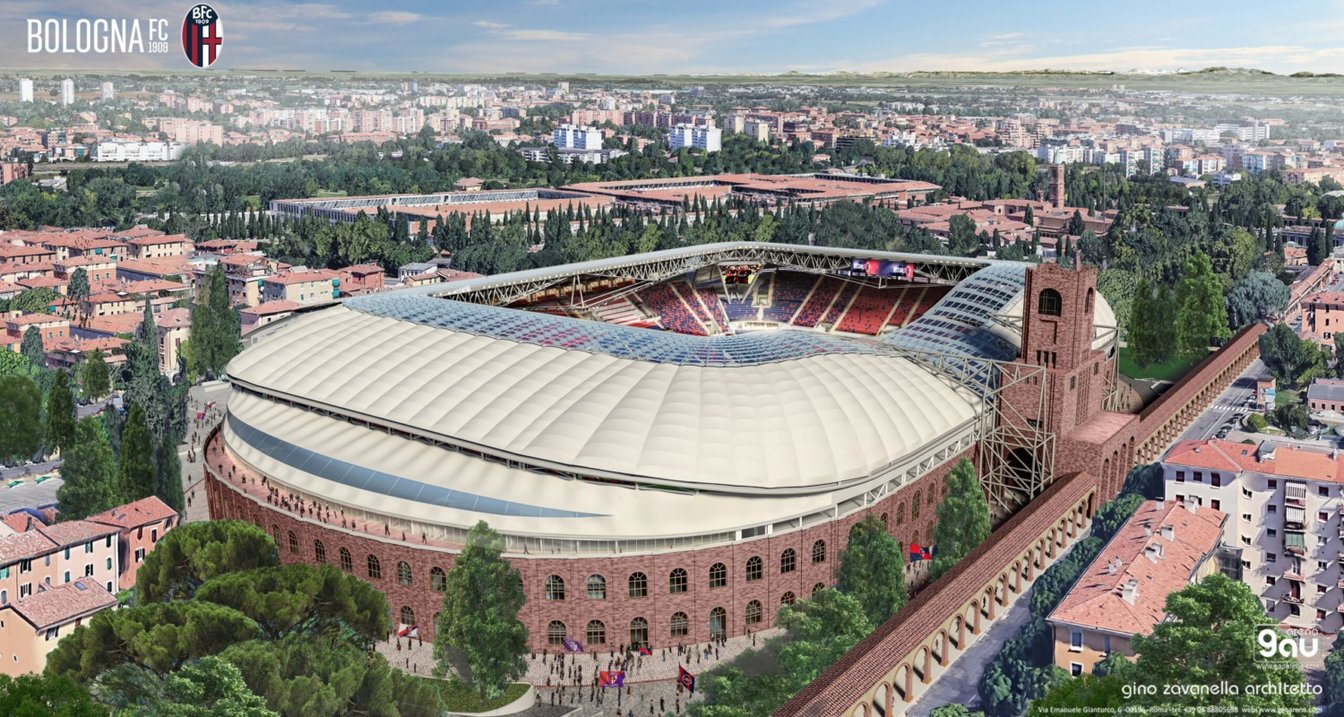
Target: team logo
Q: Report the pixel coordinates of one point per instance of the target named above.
(202, 35)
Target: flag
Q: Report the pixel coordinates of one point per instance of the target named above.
(916, 554)
(572, 645)
(927, 553)
(685, 679)
(613, 678)
(411, 631)
(644, 650)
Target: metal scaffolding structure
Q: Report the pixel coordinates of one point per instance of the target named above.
(1016, 453)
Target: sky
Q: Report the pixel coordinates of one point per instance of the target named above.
(718, 36)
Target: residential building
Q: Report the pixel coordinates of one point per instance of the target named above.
(157, 247)
(67, 92)
(1326, 395)
(1323, 316)
(10, 171)
(143, 524)
(255, 317)
(568, 136)
(1164, 546)
(30, 628)
(118, 150)
(173, 326)
(25, 90)
(304, 287)
(710, 139)
(1284, 532)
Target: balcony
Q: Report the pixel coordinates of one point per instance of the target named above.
(1292, 575)
(1292, 599)
(1294, 518)
(1295, 543)
(1295, 494)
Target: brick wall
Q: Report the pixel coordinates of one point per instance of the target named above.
(618, 609)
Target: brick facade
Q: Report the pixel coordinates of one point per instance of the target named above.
(228, 500)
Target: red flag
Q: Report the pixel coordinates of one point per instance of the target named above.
(685, 679)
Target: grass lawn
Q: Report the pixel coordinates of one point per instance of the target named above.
(1166, 371)
(325, 194)
(458, 697)
(1286, 396)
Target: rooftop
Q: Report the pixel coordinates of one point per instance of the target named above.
(74, 532)
(1286, 461)
(133, 515)
(59, 605)
(1153, 554)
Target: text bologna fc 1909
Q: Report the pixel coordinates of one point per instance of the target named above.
(202, 35)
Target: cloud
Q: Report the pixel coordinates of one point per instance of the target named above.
(518, 34)
(395, 17)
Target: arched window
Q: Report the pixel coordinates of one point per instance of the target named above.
(639, 632)
(718, 622)
(555, 588)
(886, 524)
(681, 625)
(293, 542)
(639, 585)
(375, 568)
(555, 633)
(818, 588)
(596, 633)
(438, 579)
(404, 572)
(788, 598)
(929, 499)
(1091, 294)
(788, 560)
(275, 534)
(754, 564)
(754, 612)
(407, 615)
(819, 551)
(320, 552)
(347, 564)
(676, 581)
(718, 575)
(597, 587)
(900, 513)
(915, 503)
(1049, 303)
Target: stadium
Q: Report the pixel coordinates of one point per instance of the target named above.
(673, 444)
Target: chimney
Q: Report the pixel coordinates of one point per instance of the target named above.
(1190, 504)
(1153, 551)
(1114, 566)
(1161, 504)
(1129, 592)
(1169, 532)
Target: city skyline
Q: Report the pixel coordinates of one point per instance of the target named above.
(706, 38)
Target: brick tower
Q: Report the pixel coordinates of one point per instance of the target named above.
(1058, 310)
(1057, 186)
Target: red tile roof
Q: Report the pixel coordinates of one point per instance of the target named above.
(156, 240)
(273, 307)
(1140, 554)
(133, 515)
(300, 277)
(28, 544)
(63, 603)
(1287, 461)
(74, 532)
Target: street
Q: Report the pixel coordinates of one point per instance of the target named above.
(1230, 404)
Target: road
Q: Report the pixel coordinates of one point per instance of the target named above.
(960, 683)
(28, 495)
(192, 473)
(1230, 404)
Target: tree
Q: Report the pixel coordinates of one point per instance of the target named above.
(1334, 679)
(94, 376)
(1339, 354)
(1260, 295)
(954, 710)
(961, 238)
(206, 687)
(20, 418)
(161, 637)
(60, 412)
(32, 348)
(1293, 361)
(963, 518)
(1201, 315)
(79, 284)
(193, 553)
(821, 630)
(304, 676)
(480, 614)
(303, 599)
(872, 570)
(137, 456)
(89, 471)
(1075, 226)
(215, 326)
(168, 474)
(46, 695)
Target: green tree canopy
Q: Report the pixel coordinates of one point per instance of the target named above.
(205, 687)
(1260, 295)
(1201, 314)
(303, 599)
(963, 518)
(79, 284)
(215, 326)
(872, 570)
(1292, 360)
(306, 676)
(20, 417)
(1333, 692)
(60, 412)
(480, 614)
(161, 637)
(89, 471)
(193, 553)
(94, 376)
(137, 456)
(31, 348)
(46, 696)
